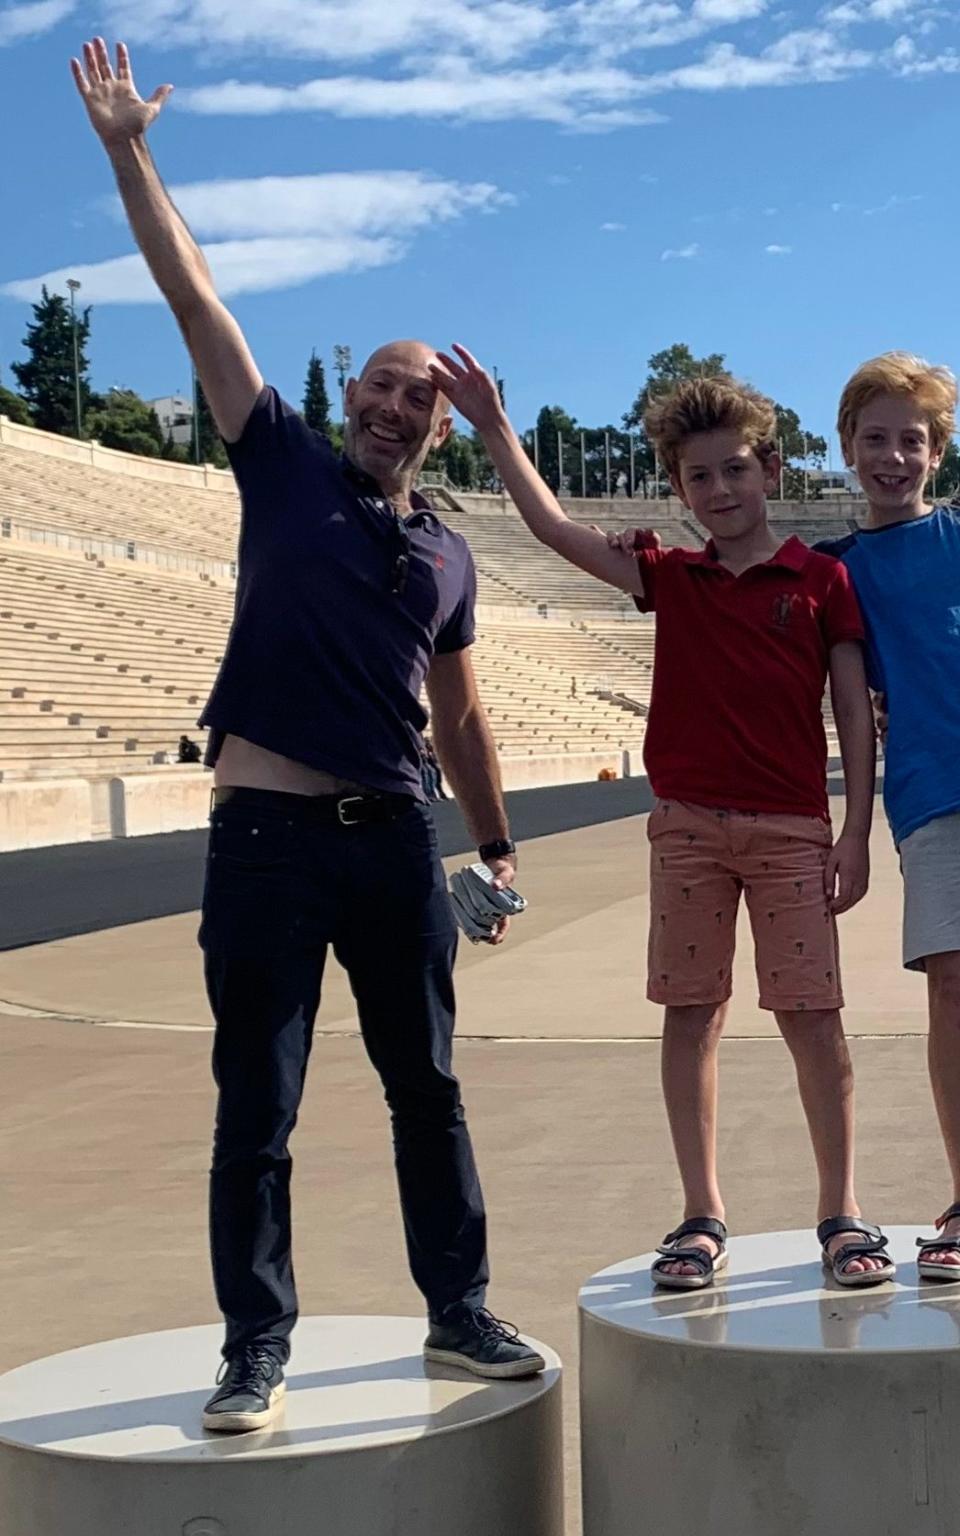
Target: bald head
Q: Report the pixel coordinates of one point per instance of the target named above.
(395, 412)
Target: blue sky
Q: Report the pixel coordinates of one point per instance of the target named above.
(565, 185)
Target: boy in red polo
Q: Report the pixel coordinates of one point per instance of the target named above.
(748, 629)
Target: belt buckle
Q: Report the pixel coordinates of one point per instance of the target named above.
(343, 816)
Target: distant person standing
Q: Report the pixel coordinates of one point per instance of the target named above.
(351, 595)
(188, 751)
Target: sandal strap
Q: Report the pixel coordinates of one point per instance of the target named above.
(948, 1215)
(699, 1257)
(850, 1251)
(835, 1224)
(701, 1226)
(939, 1245)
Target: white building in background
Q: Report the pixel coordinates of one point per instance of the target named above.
(175, 413)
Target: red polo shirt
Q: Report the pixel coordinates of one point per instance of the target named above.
(739, 673)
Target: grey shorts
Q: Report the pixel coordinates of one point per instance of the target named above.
(930, 862)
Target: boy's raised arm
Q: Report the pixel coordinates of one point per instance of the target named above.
(472, 391)
(120, 118)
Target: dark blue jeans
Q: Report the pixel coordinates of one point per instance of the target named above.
(280, 889)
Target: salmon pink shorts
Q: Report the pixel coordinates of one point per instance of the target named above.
(701, 858)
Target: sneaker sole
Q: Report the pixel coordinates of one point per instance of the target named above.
(509, 1372)
(238, 1423)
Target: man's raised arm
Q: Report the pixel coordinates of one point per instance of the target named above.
(230, 377)
(472, 391)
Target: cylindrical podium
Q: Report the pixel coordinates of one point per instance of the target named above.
(777, 1401)
(372, 1441)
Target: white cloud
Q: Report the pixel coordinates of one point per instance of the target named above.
(344, 30)
(613, 228)
(279, 232)
(561, 95)
(685, 253)
(18, 22)
(778, 250)
(238, 266)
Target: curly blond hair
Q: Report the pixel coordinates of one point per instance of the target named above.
(932, 387)
(719, 403)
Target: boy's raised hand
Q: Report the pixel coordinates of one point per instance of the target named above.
(633, 540)
(115, 109)
(846, 874)
(469, 388)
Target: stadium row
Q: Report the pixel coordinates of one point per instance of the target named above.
(116, 594)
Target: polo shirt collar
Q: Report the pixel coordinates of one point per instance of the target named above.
(793, 555)
(369, 487)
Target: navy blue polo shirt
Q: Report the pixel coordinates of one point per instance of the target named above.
(325, 662)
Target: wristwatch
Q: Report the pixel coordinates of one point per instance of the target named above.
(501, 848)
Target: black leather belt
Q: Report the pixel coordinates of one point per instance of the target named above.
(352, 810)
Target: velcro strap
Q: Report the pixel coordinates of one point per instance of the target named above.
(850, 1251)
(699, 1257)
(835, 1224)
(939, 1245)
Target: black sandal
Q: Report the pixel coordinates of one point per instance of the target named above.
(925, 1269)
(874, 1245)
(706, 1264)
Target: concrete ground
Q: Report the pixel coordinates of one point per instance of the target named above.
(104, 1042)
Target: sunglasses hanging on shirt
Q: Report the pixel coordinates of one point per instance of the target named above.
(401, 556)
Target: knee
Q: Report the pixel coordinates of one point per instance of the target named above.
(812, 1029)
(699, 1023)
(943, 982)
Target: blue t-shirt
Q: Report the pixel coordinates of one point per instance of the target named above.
(325, 662)
(907, 578)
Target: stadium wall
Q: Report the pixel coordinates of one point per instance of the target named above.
(40, 813)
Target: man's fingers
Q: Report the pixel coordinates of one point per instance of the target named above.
(93, 67)
(160, 94)
(124, 72)
(467, 357)
(444, 381)
(103, 58)
(451, 365)
(79, 78)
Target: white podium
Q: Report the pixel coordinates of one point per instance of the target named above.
(776, 1404)
(106, 1441)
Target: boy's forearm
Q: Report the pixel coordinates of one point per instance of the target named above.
(858, 749)
(532, 497)
(178, 265)
(468, 757)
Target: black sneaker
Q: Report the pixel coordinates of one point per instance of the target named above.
(250, 1389)
(479, 1342)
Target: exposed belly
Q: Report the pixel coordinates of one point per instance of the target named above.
(242, 763)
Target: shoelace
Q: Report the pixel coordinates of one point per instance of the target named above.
(487, 1323)
(251, 1361)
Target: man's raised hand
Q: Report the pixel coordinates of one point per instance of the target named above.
(115, 110)
(469, 388)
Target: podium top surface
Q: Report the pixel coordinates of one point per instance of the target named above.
(774, 1297)
(353, 1383)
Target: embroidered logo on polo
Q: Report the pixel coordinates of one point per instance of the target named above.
(784, 606)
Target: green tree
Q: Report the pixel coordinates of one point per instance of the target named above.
(176, 453)
(46, 379)
(794, 443)
(14, 406)
(555, 427)
(456, 459)
(126, 422)
(944, 485)
(666, 369)
(316, 401)
(211, 450)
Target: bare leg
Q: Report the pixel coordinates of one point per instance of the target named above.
(943, 1056)
(688, 1070)
(825, 1078)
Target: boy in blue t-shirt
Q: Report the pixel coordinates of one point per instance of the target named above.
(897, 414)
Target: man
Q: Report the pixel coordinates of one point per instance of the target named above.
(350, 594)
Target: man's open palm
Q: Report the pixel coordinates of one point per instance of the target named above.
(115, 109)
